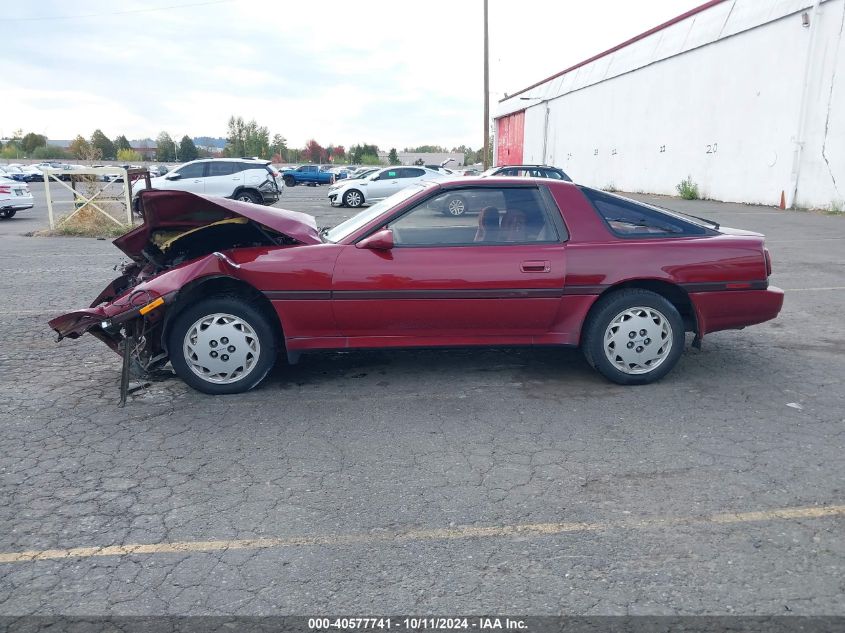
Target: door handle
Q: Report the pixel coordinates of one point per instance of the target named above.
(535, 266)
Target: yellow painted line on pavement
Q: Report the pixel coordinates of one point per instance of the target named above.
(436, 534)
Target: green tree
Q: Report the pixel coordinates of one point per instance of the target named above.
(80, 148)
(121, 142)
(469, 153)
(102, 143)
(32, 141)
(48, 151)
(129, 156)
(357, 152)
(187, 149)
(235, 138)
(247, 139)
(256, 140)
(165, 148)
(427, 149)
(393, 157)
(280, 147)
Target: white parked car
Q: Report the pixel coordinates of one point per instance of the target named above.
(14, 197)
(378, 185)
(246, 179)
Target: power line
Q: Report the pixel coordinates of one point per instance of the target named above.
(100, 15)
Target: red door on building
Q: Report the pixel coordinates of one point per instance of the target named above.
(510, 134)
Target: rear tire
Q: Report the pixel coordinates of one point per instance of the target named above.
(289, 181)
(8, 214)
(222, 345)
(633, 337)
(248, 196)
(455, 206)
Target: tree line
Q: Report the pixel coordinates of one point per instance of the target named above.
(98, 147)
(244, 139)
(247, 138)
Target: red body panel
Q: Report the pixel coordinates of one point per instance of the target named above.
(340, 296)
(732, 309)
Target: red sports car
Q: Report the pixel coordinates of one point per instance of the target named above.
(220, 287)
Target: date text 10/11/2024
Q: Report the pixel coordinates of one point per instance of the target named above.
(416, 623)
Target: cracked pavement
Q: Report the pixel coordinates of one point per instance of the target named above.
(375, 443)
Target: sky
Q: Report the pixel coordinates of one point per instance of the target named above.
(395, 73)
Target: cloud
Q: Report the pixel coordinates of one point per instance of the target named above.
(390, 73)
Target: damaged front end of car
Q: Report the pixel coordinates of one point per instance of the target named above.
(186, 239)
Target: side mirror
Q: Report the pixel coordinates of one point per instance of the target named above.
(173, 176)
(381, 240)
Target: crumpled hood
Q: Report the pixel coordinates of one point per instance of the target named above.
(185, 210)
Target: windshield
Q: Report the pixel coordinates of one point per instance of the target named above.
(363, 174)
(354, 223)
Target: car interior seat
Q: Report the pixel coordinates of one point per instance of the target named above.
(488, 225)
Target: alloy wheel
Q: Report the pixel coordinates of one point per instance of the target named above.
(221, 348)
(638, 340)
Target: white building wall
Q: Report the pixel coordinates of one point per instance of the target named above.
(716, 97)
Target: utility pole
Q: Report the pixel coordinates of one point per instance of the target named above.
(486, 93)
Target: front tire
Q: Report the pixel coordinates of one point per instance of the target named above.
(222, 345)
(353, 198)
(634, 337)
(289, 181)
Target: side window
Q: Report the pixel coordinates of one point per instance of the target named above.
(494, 216)
(194, 170)
(411, 172)
(389, 174)
(551, 173)
(507, 172)
(221, 168)
(627, 218)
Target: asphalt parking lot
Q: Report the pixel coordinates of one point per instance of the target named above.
(461, 481)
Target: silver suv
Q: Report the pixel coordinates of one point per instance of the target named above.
(247, 179)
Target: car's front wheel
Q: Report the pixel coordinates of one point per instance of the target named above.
(633, 337)
(223, 344)
(289, 181)
(353, 198)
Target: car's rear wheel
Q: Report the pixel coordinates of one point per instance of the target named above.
(248, 196)
(9, 213)
(455, 206)
(634, 337)
(223, 344)
(289, 181)
(353, 198)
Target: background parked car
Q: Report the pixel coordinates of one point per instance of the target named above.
(308, 175)
(528, 171)
(378, 185)
(14, 172)
(14, 196)
(246, 179)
